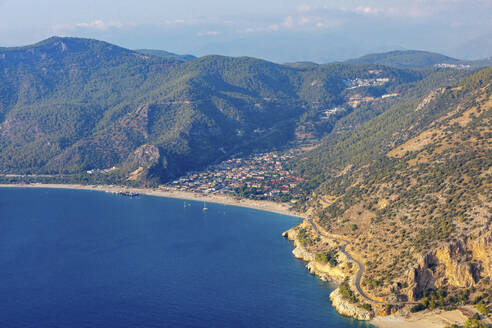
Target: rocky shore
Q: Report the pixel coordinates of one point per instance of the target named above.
(324, 271)
(346, 270)
(349, 309)
(328, 272)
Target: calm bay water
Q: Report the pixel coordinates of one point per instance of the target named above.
(90, 259)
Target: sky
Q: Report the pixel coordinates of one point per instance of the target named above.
(277, 30)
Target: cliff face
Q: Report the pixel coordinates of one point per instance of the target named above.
(144, 156)
(299, 251)
(481, 249)
(324, 271)
(348, 309)
(459, 264)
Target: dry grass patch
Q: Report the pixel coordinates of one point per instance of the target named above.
(415, 144)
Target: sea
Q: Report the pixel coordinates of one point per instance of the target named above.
(76, 258)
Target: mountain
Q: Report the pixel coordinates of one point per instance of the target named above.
(411, 190)
(70, 105)
(165, 54)
(404, 59)
(414, 59)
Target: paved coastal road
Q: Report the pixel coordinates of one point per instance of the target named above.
(359, 273)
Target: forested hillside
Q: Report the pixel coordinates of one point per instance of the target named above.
(165, 54)
(68, 105)
(412, 190)
(415, 59)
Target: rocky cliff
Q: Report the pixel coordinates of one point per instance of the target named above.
(324, 271)
(346, 308)
(461, 264)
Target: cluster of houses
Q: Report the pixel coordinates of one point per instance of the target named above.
(455, 66)
(374, 82)
(264, 173)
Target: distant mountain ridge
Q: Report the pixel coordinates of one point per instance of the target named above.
(166, 54)
(415, 59)
(68, 105)
(71, 105)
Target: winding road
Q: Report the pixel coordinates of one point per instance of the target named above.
(359, 273)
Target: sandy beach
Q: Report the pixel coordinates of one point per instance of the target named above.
(426, 319)
(262, 205)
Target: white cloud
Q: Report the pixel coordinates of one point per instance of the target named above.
(208, 33)
(303, 20)
(99, 25)
(96, 25)
(408, 11)
(328, 23)
(269, 28)
(304, 8)
(189, 21)
(175, 22)
(289, 22)
(367, 10)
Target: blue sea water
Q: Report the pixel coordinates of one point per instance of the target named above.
(89, 259)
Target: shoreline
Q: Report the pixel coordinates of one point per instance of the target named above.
(262, 205)
(403, 319)
(427, 319)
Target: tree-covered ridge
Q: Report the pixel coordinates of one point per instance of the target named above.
(416, 181)
(165, 54)
(405, 59)
(416, 59)
(68, 105)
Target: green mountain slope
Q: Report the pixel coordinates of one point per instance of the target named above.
(165, 54)
(405, 59)
(68, 105)
(415, 59)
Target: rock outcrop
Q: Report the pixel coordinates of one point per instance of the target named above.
(325, 271)
(432, 95)
(459, 264)
(299, 251)
(481, 248)
(144, 156)
(346, 308)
